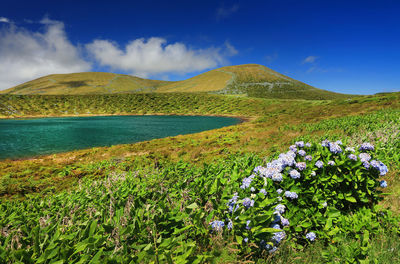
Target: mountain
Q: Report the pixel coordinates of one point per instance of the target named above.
(247, 80)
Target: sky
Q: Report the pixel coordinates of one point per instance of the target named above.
(341, 46)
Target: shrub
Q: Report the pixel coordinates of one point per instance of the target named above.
(309, 193)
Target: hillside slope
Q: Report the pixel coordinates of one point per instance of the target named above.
(251, 80)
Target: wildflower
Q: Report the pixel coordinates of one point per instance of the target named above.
(308, 157)
(230, 225)
(257, 169)
(293, 148)
(352, 157)
(331, 163)
(349, 149)
(294, 174)
(308, 145)
(280, 208)
(302, 153)
(278, 237)
(217, 225)
(263, 191)
(277, 177)
(366, 146)
(325, 143)
(364, 157)
(300, 144)
(313, 173)
(287, 159)
(311, 236)
(335, 148)
(248, 225)
(247, 181)
(382, 168)
(273, 250)
(319, 164)
(279, 191)
(291, 195)
(284, 221)
(301, 166)
(232, 202)
(383, 184)
(247, 202)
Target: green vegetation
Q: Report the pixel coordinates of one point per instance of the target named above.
(251, 80)
(153, 201)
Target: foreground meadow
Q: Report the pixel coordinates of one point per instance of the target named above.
(193, 199)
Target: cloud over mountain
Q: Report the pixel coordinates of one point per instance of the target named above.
(146, 57)
(26, 55)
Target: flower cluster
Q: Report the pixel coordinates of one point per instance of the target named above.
(277, 187)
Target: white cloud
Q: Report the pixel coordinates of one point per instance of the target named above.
(27, 55)
(154, 56)
(4, 20)
(310, 59)
(225, 12)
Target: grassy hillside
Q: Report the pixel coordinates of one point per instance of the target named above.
(249, 80)
(153, 201)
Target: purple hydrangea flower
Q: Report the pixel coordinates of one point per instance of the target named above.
(366, 164)
(293, 148)
(263, 191)
(247, 202)
(280, 208)
(291, 195)
(278, 237)
(383, 184)
(335, 148)
(331, 163)
(285, 222)
(302, 152)
(325, 143)
(257, 169)
(352, 157)
(277, 177)
(308, 145)
(382, 168)
(301, 166)
(247, 181)
(248, 224)
(349, 149)
(294, 174)
(230, 225)
(311, 236)
(246, 240)
(252, 189)
(300, 144)
(339, 142)
(308, 157)
(364, 157)
(366, 146)
(217, 225)
(319, 164)
(232, 202)
(279, 191)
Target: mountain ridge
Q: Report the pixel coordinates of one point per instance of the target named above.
(251, 80)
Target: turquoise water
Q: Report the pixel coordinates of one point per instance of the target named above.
(31, 137)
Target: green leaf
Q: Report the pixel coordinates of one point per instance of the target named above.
(351, 199)
(192, 206)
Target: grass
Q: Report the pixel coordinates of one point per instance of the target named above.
(251, 80)
(271, 126)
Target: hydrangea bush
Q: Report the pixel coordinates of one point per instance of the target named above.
(301, 194)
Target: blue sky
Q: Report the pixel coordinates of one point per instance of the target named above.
(341, 46)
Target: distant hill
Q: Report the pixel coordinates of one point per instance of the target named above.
(251, 80)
